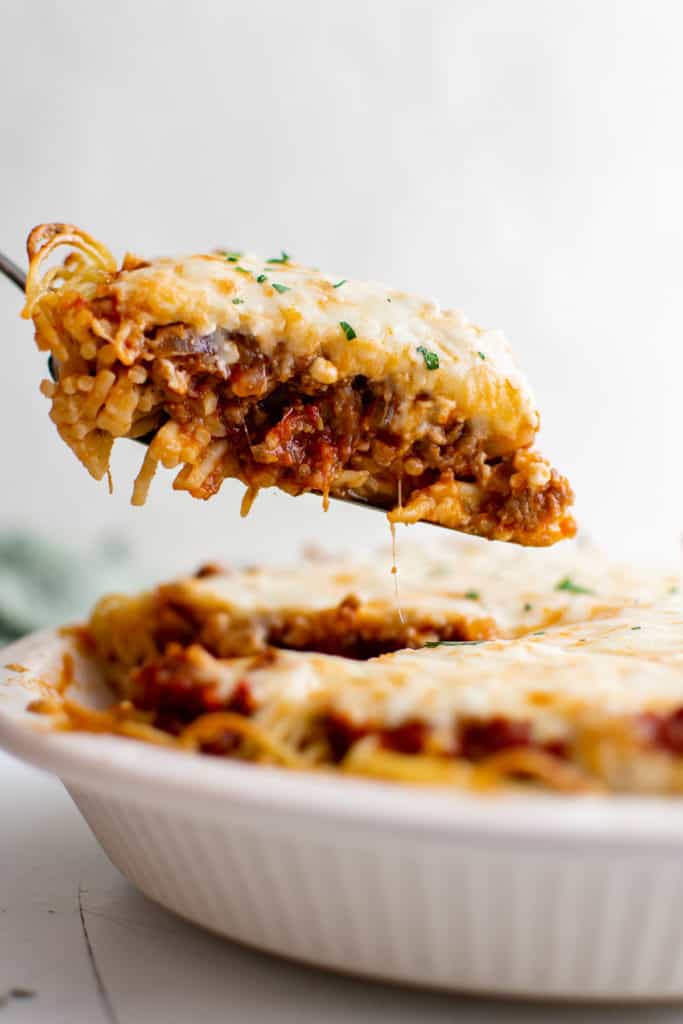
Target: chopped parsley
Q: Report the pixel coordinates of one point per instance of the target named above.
(388, 300)
(232, 257)
(242, 270)
(339, 283)
(431, 358)
(636, 627)
(348, 330)
(472, 595)
(541, 633)
(238, 302)
(453, 643)
(282, 258)
(261, 278)
(281, 288)
(481, 355)
(572, 588)
(528, 606)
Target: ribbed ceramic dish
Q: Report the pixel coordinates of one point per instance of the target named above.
(537, 896)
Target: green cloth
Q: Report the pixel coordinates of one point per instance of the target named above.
(44, 583)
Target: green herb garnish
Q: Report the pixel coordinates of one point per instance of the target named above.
(528, 607)
(472, 595)
(281, 288)
(541, 633)
(242, 270)
(339, 283)
(572, 588)
(261, 278)
(238, 302)
(481, 355)
(282, 258)
(348, 330)
(636, 627)
(232, 257)
(453, 643)
(431, 358)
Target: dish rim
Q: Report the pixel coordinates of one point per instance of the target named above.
(204, 785)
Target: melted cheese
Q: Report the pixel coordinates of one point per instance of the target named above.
(515, 587)
(476, 372)
(624, 665)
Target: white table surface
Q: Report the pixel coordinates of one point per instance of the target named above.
(94, 951)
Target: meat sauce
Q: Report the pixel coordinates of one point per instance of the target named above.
(166, 687)
(473, 740)
(663, 731)
(345, 630)
(286, 429)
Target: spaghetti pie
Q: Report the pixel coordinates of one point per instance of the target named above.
(283, 376)
(565, 673)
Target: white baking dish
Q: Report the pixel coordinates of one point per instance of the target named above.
(537, 896)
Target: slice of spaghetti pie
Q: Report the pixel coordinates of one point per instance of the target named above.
(283, 376)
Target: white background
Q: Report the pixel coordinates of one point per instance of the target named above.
(523, 161)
